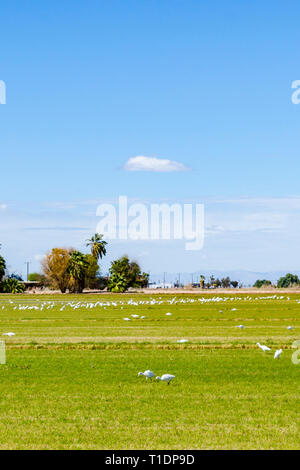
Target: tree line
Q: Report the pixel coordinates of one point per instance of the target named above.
(225, 283)
(67, 269)
(70, 270)
(289, 280)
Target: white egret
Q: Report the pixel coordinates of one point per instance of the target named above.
(240, 326)
(168, 313)
(277, 353)
(289, 327)
(148, 374)
(126, 319)
(166, 378)
(263, 347)
(183, 341)
(10, 333)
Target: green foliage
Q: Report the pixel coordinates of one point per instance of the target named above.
(288, 280)
(2, 267)
(262, 283)
(78, 264)
(125, 274)
(117, 283)
(37, 277)
(225, 282)
(98, 245)
(12, 286)
(143, 280)
(91, 272)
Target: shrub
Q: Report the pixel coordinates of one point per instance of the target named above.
(288, 280)
(125, 274)
(12, 286)
(117, 283)
(262, 282)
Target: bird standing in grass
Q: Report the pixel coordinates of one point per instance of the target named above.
(277, 353)
(166, 378)
(148, 374)
(263, 347)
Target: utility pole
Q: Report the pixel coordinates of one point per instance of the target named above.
(192, 279)
(164, 279)
(27, 269)
(178, 279)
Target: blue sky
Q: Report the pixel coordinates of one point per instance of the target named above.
(205, 84)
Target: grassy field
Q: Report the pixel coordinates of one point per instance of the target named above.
(70, 381)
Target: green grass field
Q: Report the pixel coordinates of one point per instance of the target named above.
(70, 380)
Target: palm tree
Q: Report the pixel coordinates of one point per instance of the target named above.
(77, 270)
(97, 245)
(13, 286)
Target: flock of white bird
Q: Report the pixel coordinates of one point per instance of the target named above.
(50, 304)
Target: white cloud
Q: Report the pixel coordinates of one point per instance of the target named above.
(141, 163)
(3, 206)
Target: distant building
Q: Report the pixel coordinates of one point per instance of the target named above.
(160, 285)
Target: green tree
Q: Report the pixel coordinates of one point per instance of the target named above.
(2, 267)
(117, 283)
(288, 280)
(98, 245)
(202, 281)
(91, 273)
(37, 277)
(261, 282)
(77, 268)
(225, 282)
(144, 280)
(127, 273)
